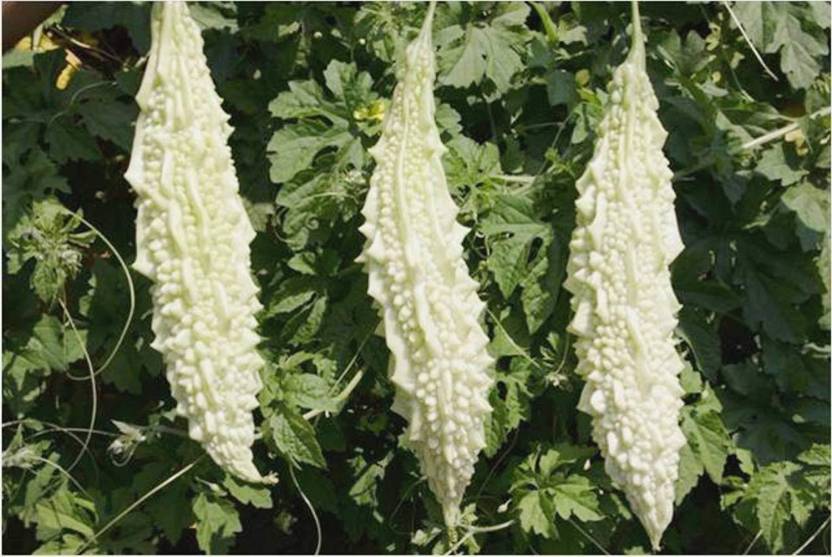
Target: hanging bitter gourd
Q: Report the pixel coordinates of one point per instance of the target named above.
(623, 303)
(192, 241)
(417, 275)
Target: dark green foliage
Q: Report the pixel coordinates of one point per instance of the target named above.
(520, 91)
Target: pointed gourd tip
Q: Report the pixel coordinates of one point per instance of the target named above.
(655, 530)
(656, 542)
(246, 470)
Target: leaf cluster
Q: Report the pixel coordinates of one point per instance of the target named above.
(520, 90)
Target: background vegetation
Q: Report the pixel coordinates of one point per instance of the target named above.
(521, 89)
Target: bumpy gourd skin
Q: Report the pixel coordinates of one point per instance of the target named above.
(192, 241)
(417, 275)
(623, 303)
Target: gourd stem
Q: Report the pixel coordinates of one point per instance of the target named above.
(429, 14)
(427, 25)
(637, 36)
(636, 54)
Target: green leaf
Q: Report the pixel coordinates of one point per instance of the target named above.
(471, 51)
(534, 512)
(564, 454)
(464, 64)
(320, 158)
(575, 496)
(780, 165)
(690, 468)
(303, 326)
(217, 523)
(323, 124)
(172, 519)
(708, 440)
(258, 496)
(512, 228)
(811, 208)
(770, 302)
(49, 348)
(309, 391)
(48, 235)
(295, 438)
(305, 99)
(29, 181)
(771, 491)
(541, 286)
(690, 380)
(694, 287)
(110, 119)
(703, 340)
(292, 294)
(791, 370)
(469, 163)
(319, 488)
(510, 409)
(68, 142)
(825, 271)
(65, 544)
(773, 26)
(386, 27)
(560, 88)
(799, 53)
(816, 455)
(295, 147)
(688, 57)
(105, 308)
(63, 511)
(215, 16)
(758, 29)
(94, 16)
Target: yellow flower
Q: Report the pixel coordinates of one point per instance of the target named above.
(374, 111)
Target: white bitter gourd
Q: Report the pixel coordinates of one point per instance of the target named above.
(417, 275)
(192, 241)
(623, 303)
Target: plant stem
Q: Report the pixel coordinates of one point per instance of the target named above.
(341, 396)
(638, 38)
(800, 549)
(311, 510)
(754, 541)
(138, 502)
(780, 132)
(748, 40)
(509, 178)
